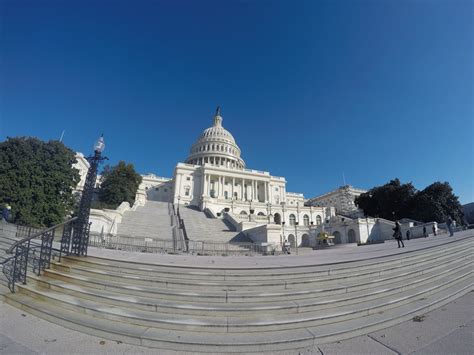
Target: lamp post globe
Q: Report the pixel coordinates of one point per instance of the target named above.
(99, 145)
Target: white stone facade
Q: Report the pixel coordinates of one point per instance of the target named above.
(342, 199)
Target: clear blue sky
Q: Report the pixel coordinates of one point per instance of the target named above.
(310, 89)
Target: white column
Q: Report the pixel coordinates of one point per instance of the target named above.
(223, 186)
(266, 192)
(242, 189)
(233, 187)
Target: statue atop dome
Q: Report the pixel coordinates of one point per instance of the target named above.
(218, 117)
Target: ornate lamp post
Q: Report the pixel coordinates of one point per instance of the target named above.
(283, 223)
(80, 237)
(296, 236)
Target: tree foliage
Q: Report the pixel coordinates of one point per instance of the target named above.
(118, 184)
(37, 179)
(395, 201)
(392, 200)
(436, 202)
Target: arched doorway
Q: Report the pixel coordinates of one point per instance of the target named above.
(318, 220)
(305, 240)
(337, 237)
(352, 236)
(292, 241)
(277, 218)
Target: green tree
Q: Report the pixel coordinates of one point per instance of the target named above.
(435, 203)
(391, 201)
(118, 184)
(37, 179)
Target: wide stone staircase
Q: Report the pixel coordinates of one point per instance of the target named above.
(201, 227)
(150, 221)
(245, 310)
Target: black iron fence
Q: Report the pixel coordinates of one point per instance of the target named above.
(35, 251)
(162, 246)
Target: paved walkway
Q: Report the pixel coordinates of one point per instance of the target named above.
(342, 253)
(448, 330)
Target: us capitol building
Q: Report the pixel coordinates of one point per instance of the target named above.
(214, 179)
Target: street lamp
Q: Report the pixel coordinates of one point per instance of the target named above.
(296, 236)
(179, 199)
(80, 237)
(269, 212)
(283, 223)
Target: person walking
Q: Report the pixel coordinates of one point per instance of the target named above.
(6, 213)
(434, 230)
(424, 232)
(408, 234)
(449, 223)
(398, 234)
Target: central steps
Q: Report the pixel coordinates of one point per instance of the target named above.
(245, 310)
(149, 221)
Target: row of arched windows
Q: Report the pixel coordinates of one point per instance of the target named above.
(305, 220)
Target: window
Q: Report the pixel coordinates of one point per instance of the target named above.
(318, 220)
(292, 220)
(186, 191)
(306, 220)
(166, 190)
(188, 178)
(226, 195)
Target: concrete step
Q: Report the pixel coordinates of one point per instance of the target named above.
(271, 321)
(151, 221)
(237, 342)
(382, 266)
(203, 307)
(262, 295)
(302, 281)
(201, 228)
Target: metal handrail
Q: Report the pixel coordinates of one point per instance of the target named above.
(36, 235)
(37, 255)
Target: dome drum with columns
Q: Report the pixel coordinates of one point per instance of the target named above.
(216, 146)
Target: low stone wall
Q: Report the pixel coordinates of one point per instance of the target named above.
(269, 233)
(106, 220)
(417, 231)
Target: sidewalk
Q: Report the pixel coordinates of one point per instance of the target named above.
(447, 330)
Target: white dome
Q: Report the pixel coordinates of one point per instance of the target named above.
(216, 146)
